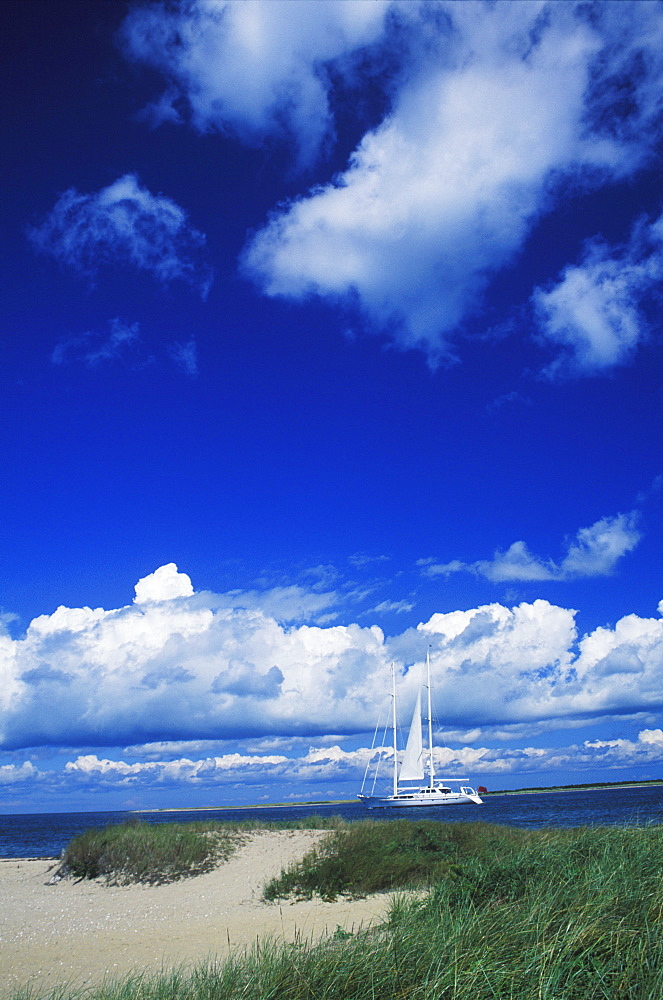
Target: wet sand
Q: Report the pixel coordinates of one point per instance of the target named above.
(80, 933)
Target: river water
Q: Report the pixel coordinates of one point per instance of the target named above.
(46, 834)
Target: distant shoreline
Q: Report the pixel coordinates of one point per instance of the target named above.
(604, 786)
(591, 787)
(262, 805)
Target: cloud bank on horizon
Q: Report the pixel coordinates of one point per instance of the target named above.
(316, 767)
(179, 665)
(494, 114)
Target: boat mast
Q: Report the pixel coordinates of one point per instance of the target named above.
(393, 720)
(431, 769)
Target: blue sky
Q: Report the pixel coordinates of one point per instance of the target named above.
(329, 331)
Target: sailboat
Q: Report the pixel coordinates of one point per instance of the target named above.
(413, 766)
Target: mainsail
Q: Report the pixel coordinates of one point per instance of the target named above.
(412, 766)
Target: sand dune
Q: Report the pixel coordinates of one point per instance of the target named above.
(83, 932)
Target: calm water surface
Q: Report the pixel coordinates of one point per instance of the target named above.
(46, 834)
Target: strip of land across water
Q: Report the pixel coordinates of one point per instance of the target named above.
(593, 786)
(588, 787)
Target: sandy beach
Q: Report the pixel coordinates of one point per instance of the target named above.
(80, 933)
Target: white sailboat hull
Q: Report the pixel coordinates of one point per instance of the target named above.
(437, 796)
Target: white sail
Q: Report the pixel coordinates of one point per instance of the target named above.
(412, 767)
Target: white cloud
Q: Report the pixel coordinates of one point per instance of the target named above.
(13, 774)
(594, 311)
(493, 113)
(250, 66)
(517, 563)
(123, 224)
(595, 551)
(393, 607)
(621, 666)
(209, 770)
(178, 665)
(93, 349)
(164, 584)
(287, 603)
(518, 659)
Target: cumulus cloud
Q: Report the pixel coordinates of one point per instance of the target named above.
(620, 666)
(164, 584)
(524, 661)
(508, 100)
(123, 223)
(180, 665)
(595, 551)
(13, 774)
(595, 311)
(229, 767)
(519, 658)
(251, 67)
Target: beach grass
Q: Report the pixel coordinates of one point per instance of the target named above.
(148, 852)
(509, 915)
(137, 851)
(360, 858)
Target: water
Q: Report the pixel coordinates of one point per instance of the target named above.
(46, 834)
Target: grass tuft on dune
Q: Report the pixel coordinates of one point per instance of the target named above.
(145, 852)
(138, 851)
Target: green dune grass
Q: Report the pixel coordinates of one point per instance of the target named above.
(145, 852)
(378, 856)
(162, 852)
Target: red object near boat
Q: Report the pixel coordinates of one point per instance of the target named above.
(482, 790)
